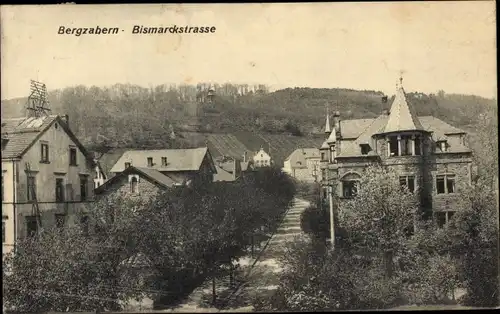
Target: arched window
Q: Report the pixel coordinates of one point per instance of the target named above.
(133, 185)
(350, 183)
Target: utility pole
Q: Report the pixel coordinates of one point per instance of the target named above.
(332, 227)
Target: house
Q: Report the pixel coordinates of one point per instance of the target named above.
(47, 176)
(262, 159)
(432, 157)
(228, 169)
(99, 173)
(303, 164)
(142, 173)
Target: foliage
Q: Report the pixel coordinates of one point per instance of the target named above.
(135, 117)
(61, 271)
(380, 215)
(477, 230)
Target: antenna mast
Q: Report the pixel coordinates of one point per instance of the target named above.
(38, 104)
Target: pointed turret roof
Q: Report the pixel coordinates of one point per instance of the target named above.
(402, 116)
(327, 125)
(332, 139)
(324, 145)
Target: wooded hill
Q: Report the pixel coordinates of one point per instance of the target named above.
(241, 117)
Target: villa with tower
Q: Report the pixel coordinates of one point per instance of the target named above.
(431, 157)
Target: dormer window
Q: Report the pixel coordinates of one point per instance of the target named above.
(127, 164)
(365, 149)
(442, 145)
(150, 161)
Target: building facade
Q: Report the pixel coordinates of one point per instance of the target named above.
(432, 157)
(303, 164)
(47, 177)
(262, 159)
(142, 173)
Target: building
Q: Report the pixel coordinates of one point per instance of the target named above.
(228, 169)
(99, 173)
(142, 173)
(303, 164)
(262, 159)
(47, 176)
(431, 156)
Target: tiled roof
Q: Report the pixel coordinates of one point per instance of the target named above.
(159, 177)
(299, 156)
(353, 128)
(152, 175)
(351, 148)
(22, 133)
(177, 159)
(402, 116)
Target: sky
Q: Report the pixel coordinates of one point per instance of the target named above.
(436, 45)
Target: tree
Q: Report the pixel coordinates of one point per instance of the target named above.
(381, 215)
(476, 236)
(62, 271)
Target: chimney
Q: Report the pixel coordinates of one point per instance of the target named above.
(336, 121)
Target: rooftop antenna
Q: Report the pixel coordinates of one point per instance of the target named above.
(38, 104)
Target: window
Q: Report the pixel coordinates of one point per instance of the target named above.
(349, 188)
(31, 188)
(59, 190)
(323, 174)
(44, 153)
(443, 218)
(393, 146)
(31, 226)
(365, 149)
(2, 188)
(3, 231)
(127, 164)
(323, 156)
(163, 161)
(332, 154)
(407, 181)
(133, 185)
(72, 156)
(60, 221)
(445, 184)
(83, 187)
(84, 223)
(150, 161)
(442, 145)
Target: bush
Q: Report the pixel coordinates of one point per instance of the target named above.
(315, 222)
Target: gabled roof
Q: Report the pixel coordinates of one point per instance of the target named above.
(402, 116)
(152, 175)
(22, 133)
(298, 159)
(189, 159)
